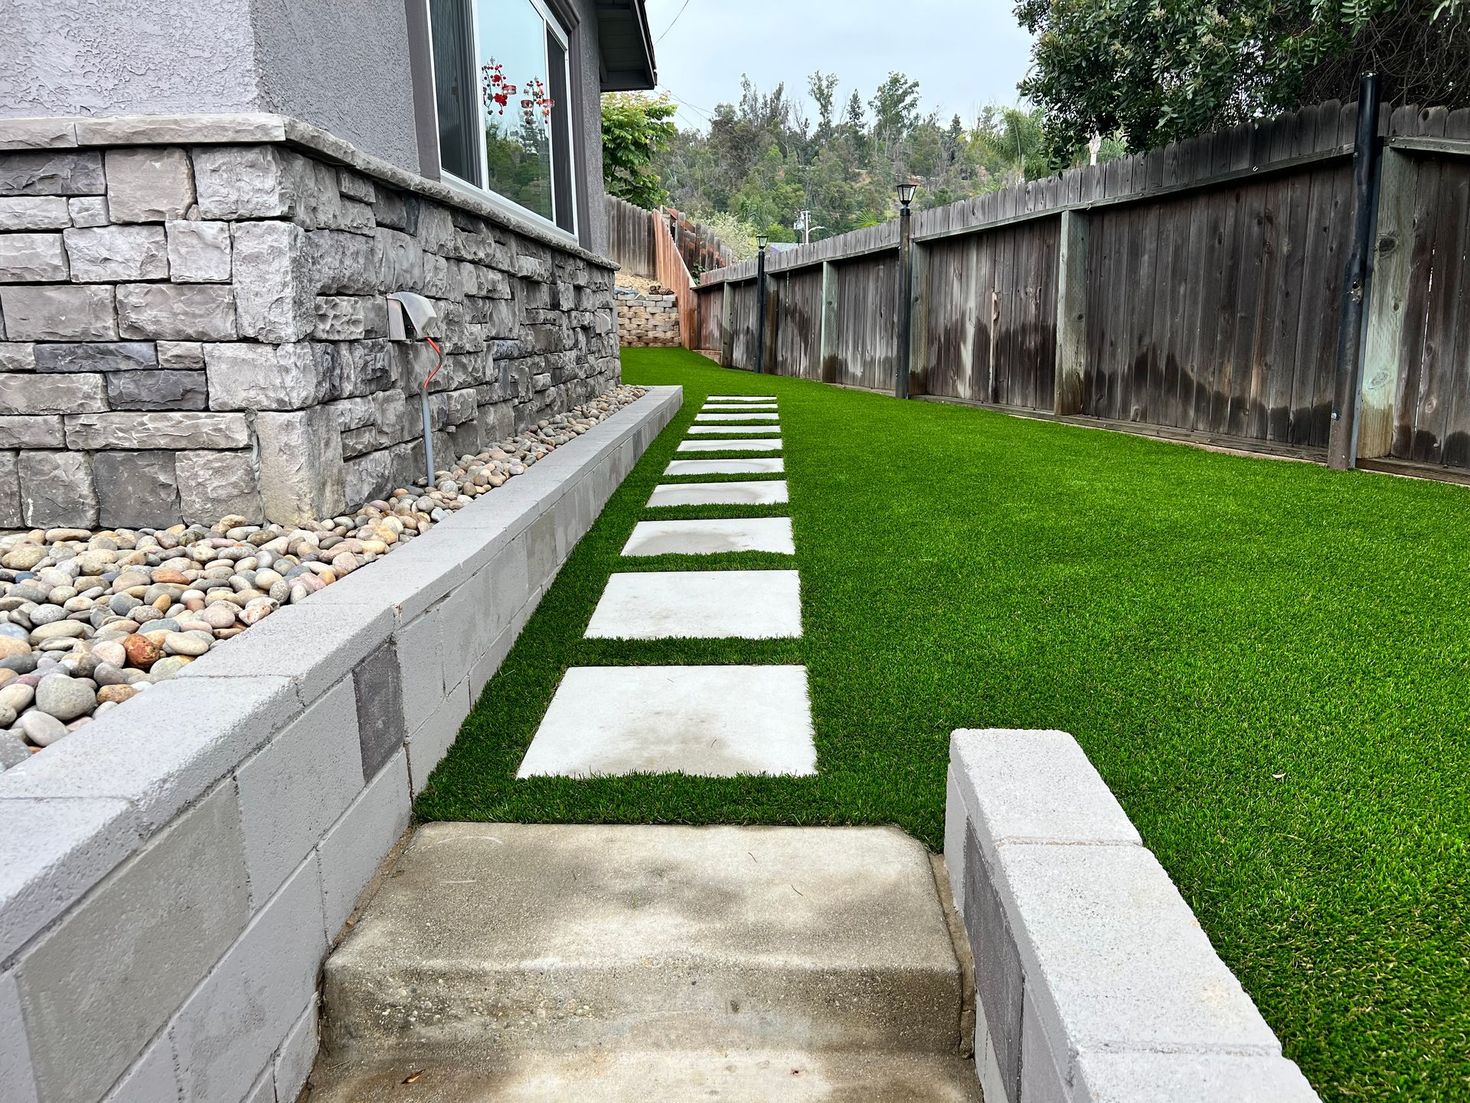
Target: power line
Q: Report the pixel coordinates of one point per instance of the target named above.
(670, 27)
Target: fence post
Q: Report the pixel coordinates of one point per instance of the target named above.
(1342, 442)
(727, 325)
(1382, 361)
(1071, 363)
(827, 342)
(919, 312)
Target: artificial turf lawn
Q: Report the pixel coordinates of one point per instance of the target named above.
(1267, 662)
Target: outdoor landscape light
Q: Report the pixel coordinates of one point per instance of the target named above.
(906, 189)
(761, 241)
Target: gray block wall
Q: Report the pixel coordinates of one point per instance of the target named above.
(1093, 979)
(193, 323)
(172, 877)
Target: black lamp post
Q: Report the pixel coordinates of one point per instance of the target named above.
(760, 304)
(906, 189)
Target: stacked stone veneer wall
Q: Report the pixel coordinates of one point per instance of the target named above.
(189, 331)
(648, 321)
(1093, 980)
(172, 876)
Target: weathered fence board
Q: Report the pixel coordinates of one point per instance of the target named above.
(1202, 292)
(630, 232)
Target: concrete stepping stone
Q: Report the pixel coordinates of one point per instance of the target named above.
(765, 445)
(758, 407)
(726, 534)
(740, 398)
(707, 721)
(766, 492)
(757, 465)
(703, 417)
(733, 430)
(658, 605)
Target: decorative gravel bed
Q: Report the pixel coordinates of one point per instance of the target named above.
(90, 619)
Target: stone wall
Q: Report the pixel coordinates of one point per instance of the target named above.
(173, 875)
(189, 331)
(648, 321)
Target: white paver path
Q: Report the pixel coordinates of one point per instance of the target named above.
(764, 492)
(705, 418)
(746, 605)
(756, 465)
(710, 721)
(733, 430)
(732, 534)
(766, 444)
(732, 407)
(740, 398)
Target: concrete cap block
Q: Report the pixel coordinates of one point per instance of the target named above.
(165, 749)
(1034, 786)
(1115, 958)
(1144, 1077)
(311, 645)
(51, 853)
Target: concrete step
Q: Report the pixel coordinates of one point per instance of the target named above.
(669, 1076)
(492, 949)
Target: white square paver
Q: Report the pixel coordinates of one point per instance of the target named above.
(763, 445)
(733, 430)
(704, 605)
(756, 465)
(740, 398)
(726, 534)
(765, 492)
(732, 407)
(709, 721)
(704, 417)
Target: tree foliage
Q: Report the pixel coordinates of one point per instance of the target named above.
(1155, 71)
(635, 130)
(763, 160)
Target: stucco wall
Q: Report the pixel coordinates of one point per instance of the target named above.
(339, 64)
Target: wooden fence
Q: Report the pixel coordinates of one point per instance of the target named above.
(630, 237)
(1195, 290)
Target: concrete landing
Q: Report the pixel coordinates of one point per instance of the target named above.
(759, 1076)
(648, 964)
(705, 721)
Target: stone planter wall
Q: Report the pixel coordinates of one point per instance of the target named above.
(171, 877)
(194, 330)
(648, 321)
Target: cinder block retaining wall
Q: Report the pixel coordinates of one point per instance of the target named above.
(648, 321)
(171, 877)
(192, 321)
(1094, 981)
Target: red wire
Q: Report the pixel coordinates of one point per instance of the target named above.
(440, 354)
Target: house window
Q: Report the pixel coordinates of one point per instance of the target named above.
(502, 91)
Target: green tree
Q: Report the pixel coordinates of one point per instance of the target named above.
(1155, 71)
(635, 130)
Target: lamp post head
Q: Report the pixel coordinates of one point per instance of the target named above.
(906, 190)
(761, 241)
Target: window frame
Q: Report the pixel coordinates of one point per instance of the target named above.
(556, 28)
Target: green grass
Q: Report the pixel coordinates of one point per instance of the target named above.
(1267, 662)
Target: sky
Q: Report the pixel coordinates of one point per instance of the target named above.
(964, 53)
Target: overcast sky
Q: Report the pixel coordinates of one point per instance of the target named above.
(964, 53)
